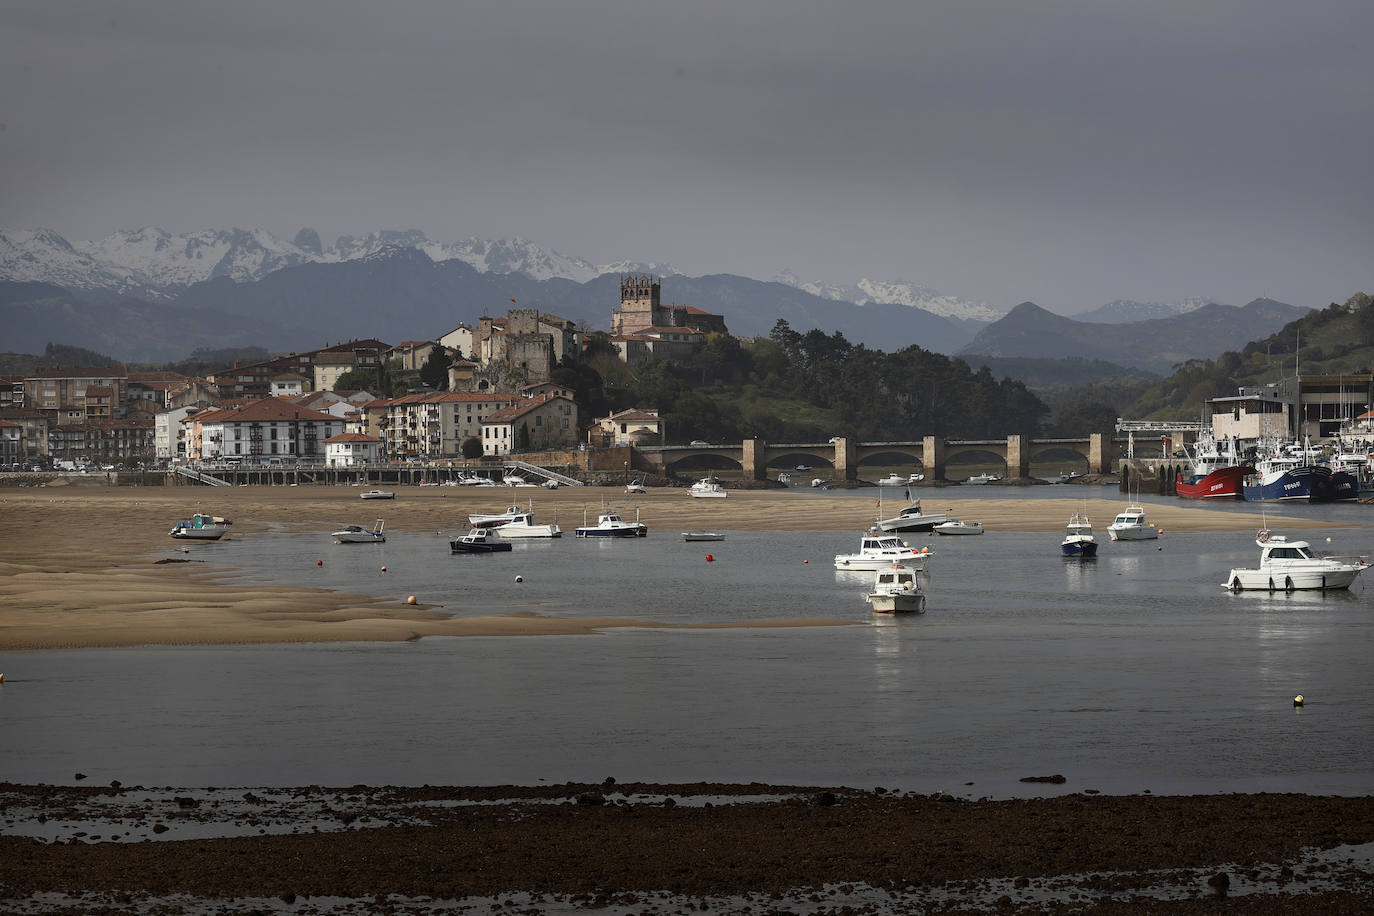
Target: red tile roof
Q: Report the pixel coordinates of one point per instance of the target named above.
(352, 437)
(269, 410)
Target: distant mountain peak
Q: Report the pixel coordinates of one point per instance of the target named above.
(893, 292)
(1154, 344)
(1122, 311)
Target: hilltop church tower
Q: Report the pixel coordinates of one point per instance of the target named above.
(640, 306)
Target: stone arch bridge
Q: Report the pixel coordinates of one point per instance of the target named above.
(933, 454)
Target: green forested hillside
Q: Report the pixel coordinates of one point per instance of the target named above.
(807, 387)
(1336, 339)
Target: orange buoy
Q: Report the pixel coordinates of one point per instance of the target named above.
(410, 600)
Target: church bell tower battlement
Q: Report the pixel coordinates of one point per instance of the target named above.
(640, 305)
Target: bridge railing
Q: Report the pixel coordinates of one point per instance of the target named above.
(200, 477)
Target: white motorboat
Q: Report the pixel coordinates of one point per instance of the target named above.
(915, 478)
(524, 527)
(527, 530)
(1288, 565)
(702, 536)
(878, 550)
(357, 534)
(515, 480)
(912, 519)
(707, 488)
(954, 526)
(981, 479)
(511, 514)
(896, 591)
(635, 486)
(611, 525)
(377, 494)
(893, 480)
(1131, 525)
(200, 528)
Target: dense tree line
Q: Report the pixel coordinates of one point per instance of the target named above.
(792, 386)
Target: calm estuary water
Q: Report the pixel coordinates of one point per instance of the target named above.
(1133, 672)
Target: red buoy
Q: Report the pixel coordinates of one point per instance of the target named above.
(710, 559)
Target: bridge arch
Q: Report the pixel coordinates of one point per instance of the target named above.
(963, 461)
(890, 455)
(787, 461)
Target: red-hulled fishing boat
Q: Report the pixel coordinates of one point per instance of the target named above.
(1217, 473)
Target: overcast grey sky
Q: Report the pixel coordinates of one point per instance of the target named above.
(1069, 152)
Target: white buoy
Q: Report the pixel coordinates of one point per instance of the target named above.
(519, 578)
(1297, 700)
(410, 600)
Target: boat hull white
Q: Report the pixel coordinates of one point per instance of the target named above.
(1337, 576)
(516, 530)
(959, 528)
(702, 536)
(1133, 533)
(197, 534)
(859, 563)
(889, 603)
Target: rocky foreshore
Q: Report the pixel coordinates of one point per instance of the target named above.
(640, 848)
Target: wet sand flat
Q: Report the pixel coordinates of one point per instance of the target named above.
(75, 569)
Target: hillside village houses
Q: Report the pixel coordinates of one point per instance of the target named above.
(285, 407)
(549, 421)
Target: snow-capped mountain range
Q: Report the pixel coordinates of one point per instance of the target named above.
(153, 264)
(1120, 311)
(895, 292)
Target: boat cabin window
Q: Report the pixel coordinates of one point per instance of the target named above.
(1290, 553)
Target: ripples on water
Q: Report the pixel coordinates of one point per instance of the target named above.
(1132, 672)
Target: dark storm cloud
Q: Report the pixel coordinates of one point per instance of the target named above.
(1067, 152)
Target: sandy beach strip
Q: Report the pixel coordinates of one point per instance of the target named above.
(77, 570)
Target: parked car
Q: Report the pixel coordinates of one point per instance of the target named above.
(699, 443)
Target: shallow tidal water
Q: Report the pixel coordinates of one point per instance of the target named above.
(1134, 672)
